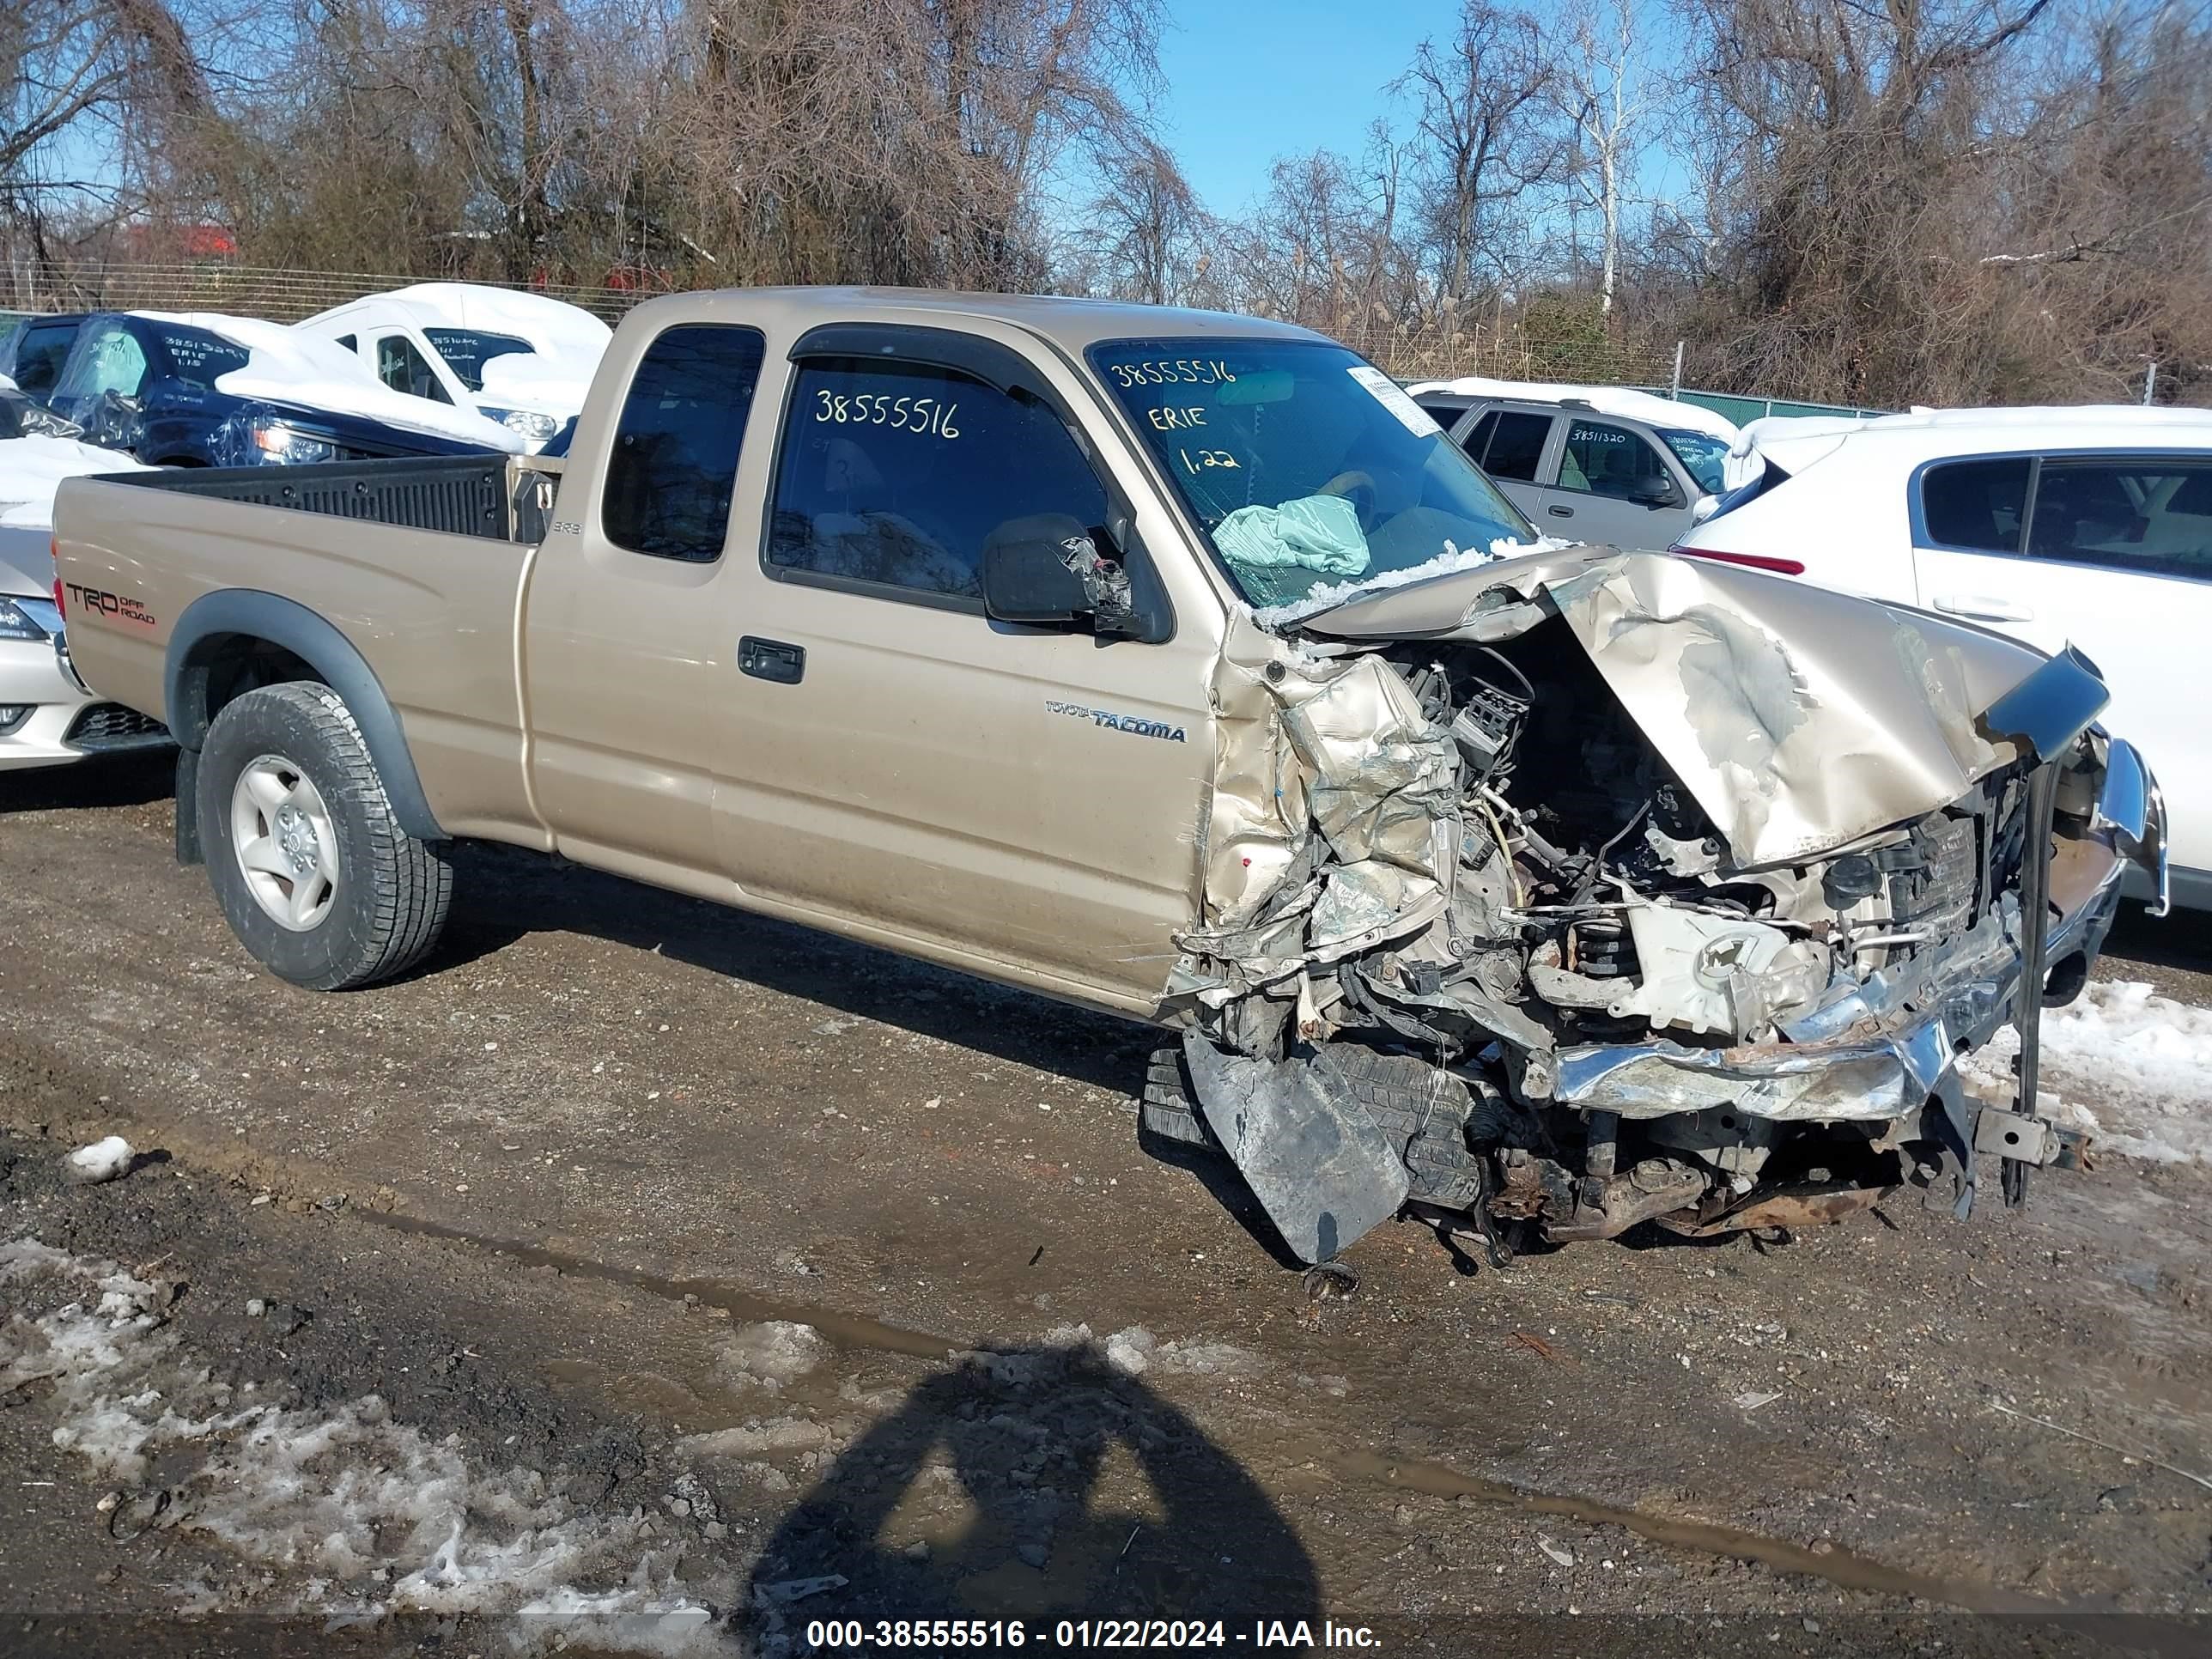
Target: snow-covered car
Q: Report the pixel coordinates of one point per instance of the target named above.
(520, 359)
(46, 716)
(202, 389)
(2090, 526)
(1605, 465)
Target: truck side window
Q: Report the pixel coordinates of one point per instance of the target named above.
(1516, 444)
(41, 354)
(674, 468)
(199, 358)
(894, 475)
(403, 369)
(1609, 461)
(1479, 440)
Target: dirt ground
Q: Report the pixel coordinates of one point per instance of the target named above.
(474, 1295)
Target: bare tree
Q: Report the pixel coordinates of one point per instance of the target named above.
(1605, 88)
(1146, 223)
(1486, 134)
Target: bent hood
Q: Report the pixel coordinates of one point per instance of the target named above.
(1801, 719)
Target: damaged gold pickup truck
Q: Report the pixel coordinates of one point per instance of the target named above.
(1175, 665)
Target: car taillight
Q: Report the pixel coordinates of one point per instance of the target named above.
(1755, 560)
(58, 606)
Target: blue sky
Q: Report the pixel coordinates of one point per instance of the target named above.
(1248, 83)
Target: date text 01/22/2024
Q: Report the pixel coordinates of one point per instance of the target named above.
(1292, 1635)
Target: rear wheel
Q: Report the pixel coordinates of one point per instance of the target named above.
(311, 866)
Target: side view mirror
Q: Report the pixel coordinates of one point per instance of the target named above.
(1657, 492)
(1702, 509)
(123, 403)
(1026, 579)
(1047, 570)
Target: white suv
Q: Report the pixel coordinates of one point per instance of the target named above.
(1606, 464)
(2089, 526)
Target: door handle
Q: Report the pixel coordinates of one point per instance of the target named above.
(1560, 512)
(1982, 607)
(771, 659)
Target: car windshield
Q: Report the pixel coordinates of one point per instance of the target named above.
(468, 349)
(1703, 456)
(1307, 468)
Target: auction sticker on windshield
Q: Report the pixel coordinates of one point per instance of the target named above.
(1392, 396)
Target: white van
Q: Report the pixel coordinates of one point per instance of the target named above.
(520, 359)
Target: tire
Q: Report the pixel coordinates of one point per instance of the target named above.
(312, 869)
(1168, 1108)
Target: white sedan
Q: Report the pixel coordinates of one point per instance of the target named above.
(47, 718)
(2090, 526)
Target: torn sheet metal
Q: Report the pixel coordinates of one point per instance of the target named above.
(1334, 825)
(1318, 1163)
(1801, 719)
(1714, 896)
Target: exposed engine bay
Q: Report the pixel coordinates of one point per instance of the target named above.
(1476, 947)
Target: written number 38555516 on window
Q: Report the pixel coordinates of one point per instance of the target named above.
(922, 415)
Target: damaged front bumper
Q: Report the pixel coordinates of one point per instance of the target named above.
(1890, 1043)
(1501, 929)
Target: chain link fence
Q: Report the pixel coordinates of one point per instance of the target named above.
(278, 296)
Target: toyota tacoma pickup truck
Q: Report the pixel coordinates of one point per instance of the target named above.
(1175, 665)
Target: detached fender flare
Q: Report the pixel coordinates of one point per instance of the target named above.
(248, 613)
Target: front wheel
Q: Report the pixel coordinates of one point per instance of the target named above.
(311, 868)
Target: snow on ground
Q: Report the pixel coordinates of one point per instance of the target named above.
(2131, 1067)
(771, 1353)
(291, 368)
(369, 1514)
(1606, 399)
(31, 469)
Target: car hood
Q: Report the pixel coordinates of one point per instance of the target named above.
(1801, 719)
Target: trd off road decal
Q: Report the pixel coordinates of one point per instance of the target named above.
(120, 606)
(1111, 721)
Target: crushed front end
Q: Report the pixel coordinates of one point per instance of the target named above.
(1595, 889)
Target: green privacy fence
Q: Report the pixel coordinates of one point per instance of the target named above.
(1744, 410)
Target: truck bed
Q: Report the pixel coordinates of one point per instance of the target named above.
(488, 495)
(418, 563)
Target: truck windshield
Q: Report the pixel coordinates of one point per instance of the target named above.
(1307, 468)
(1703, 456)
(468, 349)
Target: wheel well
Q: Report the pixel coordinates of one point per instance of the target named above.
(223, 667)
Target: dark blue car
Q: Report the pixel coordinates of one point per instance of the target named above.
(147, 386)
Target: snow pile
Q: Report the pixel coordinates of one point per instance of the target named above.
(2131, 1067)
(349, 1497)
(31, 469)
(1136, 1351)
(289, 367)
(1133, 1352)
(769, 1354)
(1448, 562)
(1622, 401)
(101, 1161)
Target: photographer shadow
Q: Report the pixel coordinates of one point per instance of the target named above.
(1035, 1485)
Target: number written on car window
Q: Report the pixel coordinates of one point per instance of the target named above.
(1171, 371)
(925, 416)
